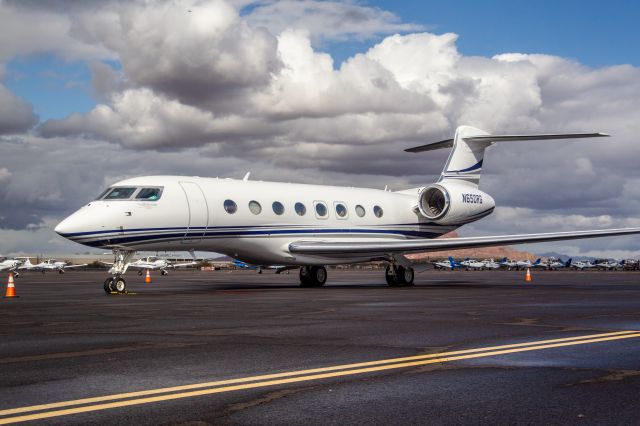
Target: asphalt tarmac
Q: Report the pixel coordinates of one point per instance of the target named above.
(245, 348)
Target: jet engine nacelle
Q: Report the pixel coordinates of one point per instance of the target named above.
(450, 203)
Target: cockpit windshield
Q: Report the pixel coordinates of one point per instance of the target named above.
(149, 194)
(126, 193)
(119, 194)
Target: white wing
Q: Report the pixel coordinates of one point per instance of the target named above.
(74, 266)
(376, 249)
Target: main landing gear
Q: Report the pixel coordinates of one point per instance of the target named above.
(115, 283)
(313, 276)
(399, 276)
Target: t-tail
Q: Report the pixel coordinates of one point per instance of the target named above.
(465, 160)
(453, 262)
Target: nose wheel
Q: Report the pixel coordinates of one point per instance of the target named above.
(115, 285)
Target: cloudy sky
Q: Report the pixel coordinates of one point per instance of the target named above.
(320, 91)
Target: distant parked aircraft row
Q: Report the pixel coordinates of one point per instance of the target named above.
(24, 264)
(551, 264)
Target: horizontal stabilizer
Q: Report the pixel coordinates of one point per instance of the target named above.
(448, 143)
(426, 245)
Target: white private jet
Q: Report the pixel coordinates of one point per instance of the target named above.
(271, 223)
(155, 263)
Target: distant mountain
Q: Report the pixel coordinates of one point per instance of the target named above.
(565, 257)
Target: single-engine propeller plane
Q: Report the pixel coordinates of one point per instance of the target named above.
(308, 226)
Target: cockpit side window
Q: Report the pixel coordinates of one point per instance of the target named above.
(119, 193)
(103, 193)
(149, 194)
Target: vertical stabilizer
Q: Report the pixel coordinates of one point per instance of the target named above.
(465, 160)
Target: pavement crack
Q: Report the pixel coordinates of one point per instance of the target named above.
(94, 352)
(611, 376)
(265, 399)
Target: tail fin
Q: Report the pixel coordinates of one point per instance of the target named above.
(465, 160)
(452, 261)
(504, 259)
(568, 263)
(537, 262)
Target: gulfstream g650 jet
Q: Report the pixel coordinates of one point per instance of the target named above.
(270, 223)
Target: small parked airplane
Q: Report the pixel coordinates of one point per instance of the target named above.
(583, 265)
(491, 264)
(610, 265)
(524, 264)
(509, 264)
(10, 265)
(308, 226)
(450, 263)
(48, 265)
(155, 263)
(472, 264)
(259, 268)
(558, 264)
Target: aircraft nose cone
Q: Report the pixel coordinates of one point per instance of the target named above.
(64, 228)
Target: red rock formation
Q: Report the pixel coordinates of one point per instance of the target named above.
(496, 253)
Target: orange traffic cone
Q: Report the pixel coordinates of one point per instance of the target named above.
(147, 278)
(11, 288)
(527, 277)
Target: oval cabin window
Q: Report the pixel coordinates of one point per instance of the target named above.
(301, 210)
(341, 210)
(278, 208)
(255, 207)
(321, 210)
(230, 206)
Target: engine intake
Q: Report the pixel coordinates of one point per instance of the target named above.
(452, 203)
(434, 202)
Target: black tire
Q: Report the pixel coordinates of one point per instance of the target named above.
(119, 285)
(140, 272)
(163, 272)
(319, 275)
(403, 277)
(391, 277)
(107, 285)
(304, 276)
(407, 274)
(313, 276)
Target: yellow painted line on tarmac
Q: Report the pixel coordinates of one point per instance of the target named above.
(295, 373)
(301, 376)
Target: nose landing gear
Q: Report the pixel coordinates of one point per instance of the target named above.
(117, 284)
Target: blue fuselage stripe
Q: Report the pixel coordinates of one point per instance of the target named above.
(199, 234)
